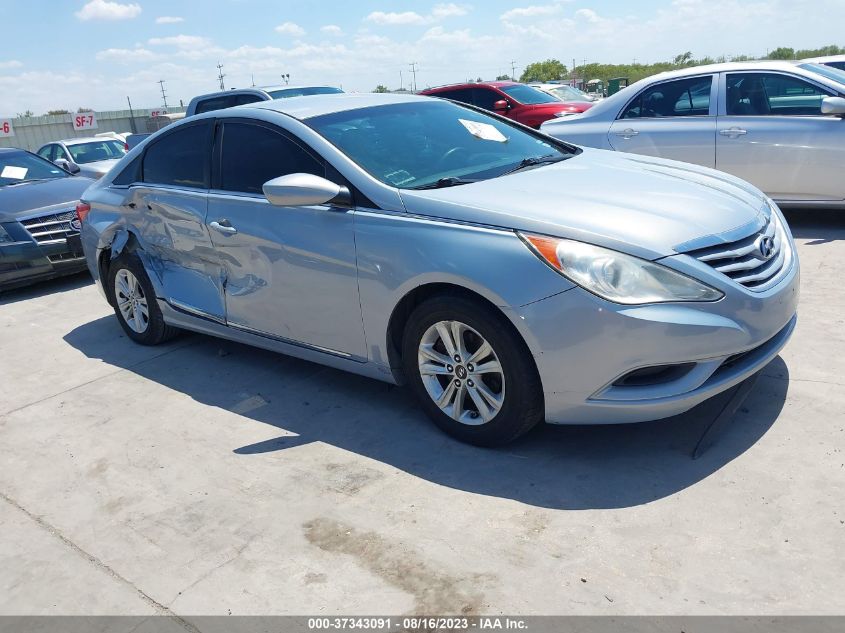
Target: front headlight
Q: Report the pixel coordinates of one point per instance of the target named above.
(5, 238)
(615, 276)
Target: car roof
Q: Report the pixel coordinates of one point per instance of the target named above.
(84, 139)
(727, 67)
(287, 87)
(9, 150)
(318, 105)
(473, 84)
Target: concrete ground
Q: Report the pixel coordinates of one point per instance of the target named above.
(205, 477)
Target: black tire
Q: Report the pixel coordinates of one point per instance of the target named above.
(157, 331)
(523, 406)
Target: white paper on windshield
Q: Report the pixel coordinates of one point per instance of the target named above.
(10, 171)
(484, 131)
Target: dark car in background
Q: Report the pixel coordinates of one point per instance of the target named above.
(39, 230)
(525, 104)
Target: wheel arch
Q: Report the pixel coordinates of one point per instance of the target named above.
(406, 305)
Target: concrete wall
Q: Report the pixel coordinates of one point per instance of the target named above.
(33, 132)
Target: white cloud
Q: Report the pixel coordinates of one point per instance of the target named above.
(403, 18)
(448, 11)
(10, 64)
(181, 41)
(589, 15)
(290, 28)
(331, 29)
(393, 19)
(530, 12)
(169, 19)
(126, 55)
(106, 10)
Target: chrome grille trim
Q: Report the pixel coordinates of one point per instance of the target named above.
(51, 228)
(738, 260)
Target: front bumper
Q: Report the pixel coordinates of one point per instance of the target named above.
(26, 262)
(585, 347)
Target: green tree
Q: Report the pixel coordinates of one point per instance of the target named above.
(53, 112)
(503, 78)
(683, 59)
(381, 88)
(782, 53)
(548, 70)
(26, 115)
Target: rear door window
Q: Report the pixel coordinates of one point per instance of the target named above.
(462, 95)
(685, 97)
(180, 158)
(215, 103)
(46, 152)
(253, 154)
(772, 94)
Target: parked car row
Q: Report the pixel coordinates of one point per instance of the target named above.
(429, 242)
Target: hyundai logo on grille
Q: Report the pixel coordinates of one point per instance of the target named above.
(765, 247)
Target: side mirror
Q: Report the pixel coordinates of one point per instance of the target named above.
(302, 190)
(833, 105)
(501, 106)
(68, 166)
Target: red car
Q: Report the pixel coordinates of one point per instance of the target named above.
(517, 101)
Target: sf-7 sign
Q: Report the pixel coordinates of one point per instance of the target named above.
(84, 121)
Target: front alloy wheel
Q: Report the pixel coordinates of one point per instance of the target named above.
(471, 371)
(461, 372)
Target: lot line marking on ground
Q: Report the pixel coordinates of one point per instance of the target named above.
(108, 375)
(53, 531)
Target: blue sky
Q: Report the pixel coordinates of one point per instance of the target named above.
(93, 53)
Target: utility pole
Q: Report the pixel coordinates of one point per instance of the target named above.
(163, 93)
(513, 70)
(413, 66)
(286, 78)
(131, 117)
(253, 80)
(220, 75)
(401, 82)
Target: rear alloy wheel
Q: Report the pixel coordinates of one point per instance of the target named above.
(131, 301)
(471, 371)
(134, 302)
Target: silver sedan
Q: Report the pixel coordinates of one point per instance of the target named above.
(778, 125)
(415, 240)
(91, 157)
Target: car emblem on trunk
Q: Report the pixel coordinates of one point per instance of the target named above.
(765, 247)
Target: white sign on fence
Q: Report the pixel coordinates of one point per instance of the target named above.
(6, 128)
(84, 121)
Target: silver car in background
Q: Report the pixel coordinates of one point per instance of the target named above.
(416, 240)
(834, 61)
(91, 157)
(778, 125)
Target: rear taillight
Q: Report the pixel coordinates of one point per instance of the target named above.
(126, 146)
(82, 211)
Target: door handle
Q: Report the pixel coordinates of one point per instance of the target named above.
(131, 205)
(733, 132)
(628, 133)
(223, 226)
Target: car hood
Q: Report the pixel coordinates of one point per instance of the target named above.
(649, 207)
(101, 167)
(22, 199)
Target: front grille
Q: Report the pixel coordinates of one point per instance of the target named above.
(743, 260)
(64, 257)
(52, 228)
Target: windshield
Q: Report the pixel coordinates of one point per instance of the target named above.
(528, 95)
(303, 92)
(418, 144)
(100, 150)
(568, 93)
(18, 167)
(826, 71)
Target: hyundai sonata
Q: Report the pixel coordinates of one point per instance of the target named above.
(415, 240)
